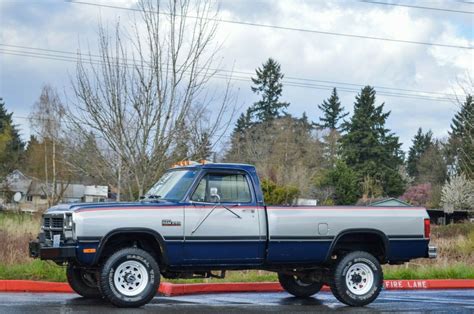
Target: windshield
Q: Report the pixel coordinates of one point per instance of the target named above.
(172, 185)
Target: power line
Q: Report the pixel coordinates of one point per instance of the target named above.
(241, 78)
(284, 27)
(237, 78)
(416, 6)
(62, 55)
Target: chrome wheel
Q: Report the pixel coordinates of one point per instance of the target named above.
(359, 279)
(131, 278)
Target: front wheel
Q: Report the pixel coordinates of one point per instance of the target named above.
(130, 278)
(83, 282)
(298, 287)
(357, 279)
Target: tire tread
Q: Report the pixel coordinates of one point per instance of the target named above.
(104, 277)
(338, 287)
(288, 283)
(75, 281)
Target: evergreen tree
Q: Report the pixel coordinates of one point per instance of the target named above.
(268, 84)
(333, 112)
(344, 181)
(432, 167)
(461, 139)
(34, 159)
(371, 149)
(304, 123)
(182, 143)
(203, 147)
(13, 146)
(243, 123)
(421, 142)
(242, 126)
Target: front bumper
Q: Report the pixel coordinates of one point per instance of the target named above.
(57, 254)
(432, 251)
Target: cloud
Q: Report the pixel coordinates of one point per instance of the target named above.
(63, 26)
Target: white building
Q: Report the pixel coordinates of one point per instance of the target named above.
(34, 193)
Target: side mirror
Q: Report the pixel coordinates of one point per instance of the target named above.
(214, 194)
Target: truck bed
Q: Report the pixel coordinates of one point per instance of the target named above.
(319, 227)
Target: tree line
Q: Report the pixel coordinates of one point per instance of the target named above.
(141, 103)
(343, 160)
(338, 159)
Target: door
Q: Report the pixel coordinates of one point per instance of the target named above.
(222, 221)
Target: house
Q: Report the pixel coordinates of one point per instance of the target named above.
(14, 183)
(95, 193)
(34, 192)
(381, 202)
(389, 202)
(36, 196)
(437, 216)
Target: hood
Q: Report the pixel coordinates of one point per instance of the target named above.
(76, 206)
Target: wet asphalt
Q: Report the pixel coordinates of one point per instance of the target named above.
(442, 301)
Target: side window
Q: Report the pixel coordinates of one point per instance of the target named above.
(232, 188)
(200, 194)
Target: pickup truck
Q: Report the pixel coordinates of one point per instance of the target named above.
(200, 220)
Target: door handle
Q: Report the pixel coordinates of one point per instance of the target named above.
(248, 210)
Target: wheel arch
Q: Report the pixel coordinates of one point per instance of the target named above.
(120, 232)
(360, 233)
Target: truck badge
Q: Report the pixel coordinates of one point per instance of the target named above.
(170, 223)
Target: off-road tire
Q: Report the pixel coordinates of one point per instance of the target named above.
(111, 288)
(299, 289)
(339, 285)
(86, 287)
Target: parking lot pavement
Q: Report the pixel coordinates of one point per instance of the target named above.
(452, 301)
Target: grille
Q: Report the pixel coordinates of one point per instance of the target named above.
(57, 222)
(53, 225)
(53, 222)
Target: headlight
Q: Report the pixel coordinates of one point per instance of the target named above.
(68, 221)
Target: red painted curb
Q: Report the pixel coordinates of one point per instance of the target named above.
(419, 284)
(170, 289)
(33, 286)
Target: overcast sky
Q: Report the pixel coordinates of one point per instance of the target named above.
(65, 26)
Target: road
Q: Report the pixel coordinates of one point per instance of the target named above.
(452, 301)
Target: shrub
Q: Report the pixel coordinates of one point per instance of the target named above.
(418, 195)
(275, 194)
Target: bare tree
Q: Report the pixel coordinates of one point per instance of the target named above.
(136, 98)
(285, 150)
(47, 120)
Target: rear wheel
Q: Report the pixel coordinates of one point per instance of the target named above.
(130, 278)
(357, 279)
(298, 287)
(83, 282)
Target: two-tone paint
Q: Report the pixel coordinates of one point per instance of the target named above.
(249, 235)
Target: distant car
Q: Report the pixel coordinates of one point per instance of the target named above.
(200, 218)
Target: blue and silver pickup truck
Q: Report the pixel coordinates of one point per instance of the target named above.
(200, 220)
